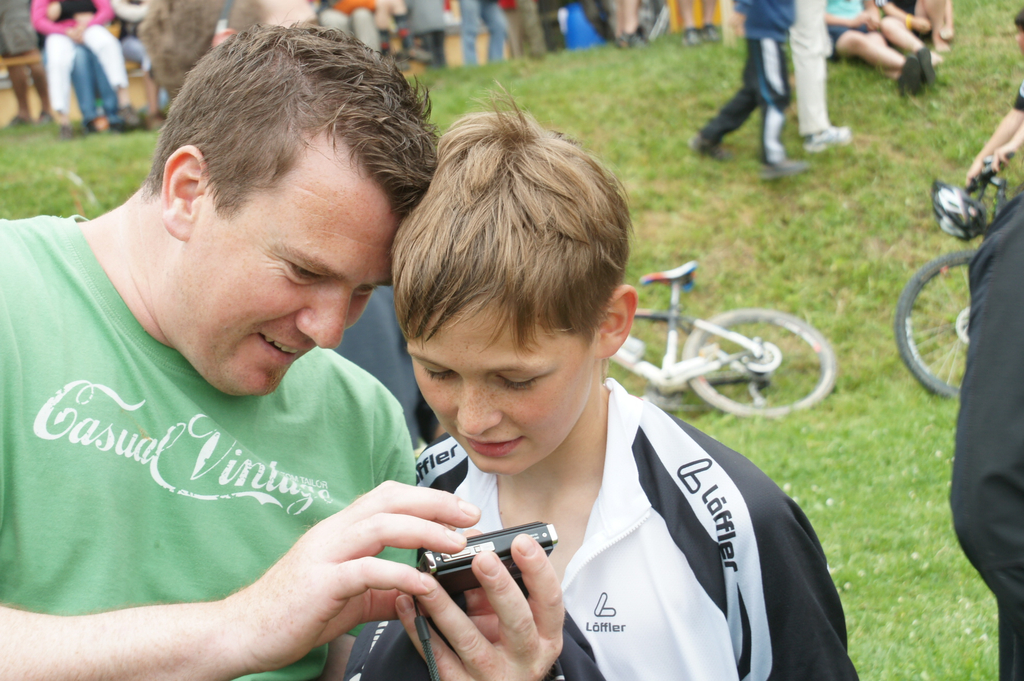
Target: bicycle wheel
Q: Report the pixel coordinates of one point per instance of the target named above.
(931, 323)
(807, 372)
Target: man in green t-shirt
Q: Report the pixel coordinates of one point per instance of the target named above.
(190, 486)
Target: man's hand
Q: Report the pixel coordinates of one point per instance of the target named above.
(503, 636)
(331, 580)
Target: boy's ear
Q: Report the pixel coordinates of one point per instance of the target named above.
(184, 183)
(618, 320)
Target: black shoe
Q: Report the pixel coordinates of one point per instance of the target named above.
(909, 81)
(706, 148)
(710, 34)
(130, 118)
(66, 133)
(927, 68)
(634, 39)
(691, 37)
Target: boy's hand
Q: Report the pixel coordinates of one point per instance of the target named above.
(974, 171)
(739, 24)
(504, 636)
(1002, 155)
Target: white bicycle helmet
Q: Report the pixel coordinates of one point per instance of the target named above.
(957, 212)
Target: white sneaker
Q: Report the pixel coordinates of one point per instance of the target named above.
(829, 137)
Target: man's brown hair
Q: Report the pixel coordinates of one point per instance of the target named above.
(252, 103)
(518, 220)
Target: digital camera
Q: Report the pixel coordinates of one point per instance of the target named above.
(453, 571)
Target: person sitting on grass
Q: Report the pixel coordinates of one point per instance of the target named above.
(923, 17)
(858, 30)
(1009, 134)
(678, 558)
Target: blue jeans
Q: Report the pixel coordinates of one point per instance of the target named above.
(89, 82)
(494, 17)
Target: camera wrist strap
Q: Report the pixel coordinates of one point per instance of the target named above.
(423, 632)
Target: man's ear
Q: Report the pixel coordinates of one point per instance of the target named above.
(618, 320)
(184, 182)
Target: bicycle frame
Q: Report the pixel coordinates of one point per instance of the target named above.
(673, 375)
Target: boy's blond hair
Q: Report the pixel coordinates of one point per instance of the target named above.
(519, 221)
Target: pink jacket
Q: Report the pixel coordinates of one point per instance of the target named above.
(104, 15)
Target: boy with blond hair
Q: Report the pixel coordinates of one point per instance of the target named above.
(677, 557)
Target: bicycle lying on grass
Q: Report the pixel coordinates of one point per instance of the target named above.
(748, 362)
(935, 306)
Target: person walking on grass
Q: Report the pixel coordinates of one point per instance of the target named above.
(764, 23)
(812, 47)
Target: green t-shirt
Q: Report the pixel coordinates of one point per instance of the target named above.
(127, 479)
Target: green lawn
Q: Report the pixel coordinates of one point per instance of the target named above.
(871, 465)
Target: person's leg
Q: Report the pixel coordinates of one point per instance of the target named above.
(108, 51)
(514, 22)
(736, 112)
(810, 43)
(83, 82)
(872, 48)
(935, 10)
(494, 18)
(470, 29)
(19, 83)
(39, 79)
(709, 33)
(691, 36)
(363, 25)
(686, 9)
(332, 18)
(434, 42)
(60, 57)
(533, 31)
(899, 36)
(108, 95)
(773, 98)
(627, 17)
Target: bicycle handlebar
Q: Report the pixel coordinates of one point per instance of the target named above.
(986, 174)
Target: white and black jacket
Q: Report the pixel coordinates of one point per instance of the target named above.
(695, 565)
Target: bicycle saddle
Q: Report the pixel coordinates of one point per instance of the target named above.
(683, 272)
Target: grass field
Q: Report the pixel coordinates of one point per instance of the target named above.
(871, 465)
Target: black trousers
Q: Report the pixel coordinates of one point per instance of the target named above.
(987, 495)
(765, 86)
